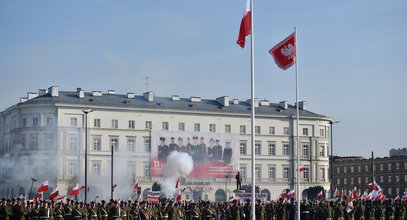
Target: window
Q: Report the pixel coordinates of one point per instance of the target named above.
(405, 165)
(359, 180)
(243, 172)
(197, 127)
(35, 121)
(242, 129)
(257, 148)
(228, 128)
(397, 166)
(351, 181)
(345, 181)
(147, 169)
(286, 173)
(405, 178)
(96, 168)
(149, 125)
(73, 142)
(72, 168)
(381, 179)
(257, 130)
(165, 126)
(305, 131)
(74, 122)
(48, 139)
(345, 170)
(359, 169)
(22, 141)
(389, 191)
(366, 168)
(131, 144)
(381, 167)
(272, 149)
(322, 151)
(306, 173)
(97, 143)
(115, 123)
(305, 150)
(132, 124)
(49, 122)
(114, 144)
(147, 144)
(389, 166)
(272, 130)
(322, 173)
(338, 181)
(366, 179)
(286, 149)
(24, 122)
(242, 148)
(397, 190)
(397, 178)
(34, 141)
(322, 132)
(338, 170)
(272, 172)
(389, 179)
(352, 169)
(96, 122)
(212, 128)
(286, 131)
(257, 172)
(181, 126)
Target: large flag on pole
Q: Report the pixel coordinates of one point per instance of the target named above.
(75, 191)
(43, 187)
(285, 52)
(54, 194)
(245, 26)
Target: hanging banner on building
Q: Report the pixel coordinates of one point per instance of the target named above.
(243, 197)
(214, 154)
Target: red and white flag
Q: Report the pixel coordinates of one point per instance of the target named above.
(114, 187)
(320, 195)
(336, 193)
(76, 190)
(301, 168)
(404, 197)
(60, 197)
(291, 193)
(245, 26)
(342, 195)
(38, 197)
(43, 187)
(135, 186)
(177, 183)
(54, 194)
(285, 52)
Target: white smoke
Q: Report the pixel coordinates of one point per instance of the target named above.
(178, 164)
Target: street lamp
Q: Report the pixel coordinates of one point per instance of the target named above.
(31, 190)
(332, 155)
(86, 111)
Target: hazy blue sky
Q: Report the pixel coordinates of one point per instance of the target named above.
(352, 56)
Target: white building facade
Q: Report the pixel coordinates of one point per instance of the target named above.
(43, 137)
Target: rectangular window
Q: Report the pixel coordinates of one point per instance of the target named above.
(114, 144)
(73, 142)
(405, 165)
(97, 143)
(212, 128)
(72, 168)
(131, 169)
(228, 128)
(197, 127)
(257, 130)
(366, 179)
(381, 167)
(131, 144)
(74, 122)
(147, 169)
(405, 178)
(272, 149)
(389, 179)
(48, 139)
(272, 130)
(272, 172)
(115, 123)
(351, 181)
(389, 166)
(147, 144)
(286, 131)
(242, 129)
(344, 170)
(352, 169)
(257, 172)
(359, 169)
(243, 172)
(35, 121)
(338, 170)
(305, 150)
(96, 122)
(165, 126)
(397, 166)
(24, 122)
(322, 151)
(381, 179)
(257, 148)
(181, 126)
(34, 141)
(286, 173)
(132, 124)
(22, 141)
(322, 132)
(96, 168)
(345, 181)
(149, 125)
(397, 177)
(338, 181)
(322, 173)
(366, 168)
(243, 148)
(286, 150)
(305, 131)
(49, 121)
(306, 173)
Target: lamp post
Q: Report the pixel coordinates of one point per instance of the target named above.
(332, 155)
(31, 190)
(111, 172)
(86, 111)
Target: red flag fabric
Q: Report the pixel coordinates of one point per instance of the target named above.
(114, 187)
(38, 197)
(177, 183)
(135, 186)
(291, 193)
(301, 168)
(245, 26)
(76, 190)
(54, 194)
(285, 52)
(43, 187)
(320, 195)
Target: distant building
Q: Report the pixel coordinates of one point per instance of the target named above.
(398, 152)
(389, 172)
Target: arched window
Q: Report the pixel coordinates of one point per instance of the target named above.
(220, 195)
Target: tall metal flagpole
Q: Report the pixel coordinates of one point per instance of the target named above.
(253, 112)
(298, 126)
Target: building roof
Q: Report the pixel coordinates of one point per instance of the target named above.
(167, 103)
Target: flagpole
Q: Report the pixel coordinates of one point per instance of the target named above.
(252, 112)
(298, 125)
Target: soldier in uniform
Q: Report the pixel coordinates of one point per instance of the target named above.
(34, 214)
(390, 210)
(45, 212)
(93, 211)
(208, 212)
(260, 211)
(182, 147)
(195, 212)
(360, 210)
(173, 146)
(76, 212)
(115, 211)
(143, 211)
(102, 211)
(217, 151)
(134, 212)
(227, 154)
(163, 149)
(58, 212)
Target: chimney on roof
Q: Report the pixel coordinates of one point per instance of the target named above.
(130, 95)
(81, 93)
(224, 100)
(235, 101)
(284, 105)
(111, 92)
(175, 98)
(42, 92)
(149, 96)
(256, 102)
(264, 103)
(31, 95)
(195, 99)
(23, 99)
(96, 93)
(302, 105)
(54, 91)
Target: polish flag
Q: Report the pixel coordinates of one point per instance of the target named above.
(320, 195)
(136, 186)
(283, 194)
(336, 193)
(342, 195)
(178, 197)
(245, 26)
(404, 197)
(177, 183)
(301, 168)
(285, 52)
(54, 194)
(397, 198)
(43, 187)
(364, 196)
(38, 197)
(114, 187)
(60, 197)
(76, 190)
(291, 193)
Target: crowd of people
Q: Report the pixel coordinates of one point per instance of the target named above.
(20, 209)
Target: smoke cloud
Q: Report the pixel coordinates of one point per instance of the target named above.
(178, 164)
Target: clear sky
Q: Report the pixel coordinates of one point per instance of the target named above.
(352, 56)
